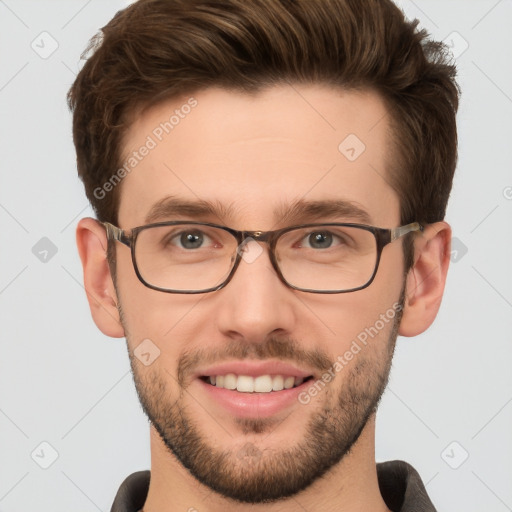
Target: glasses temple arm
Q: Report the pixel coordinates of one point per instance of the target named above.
(113, 232)
(403, 230)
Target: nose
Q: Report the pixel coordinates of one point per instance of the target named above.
(255, 303)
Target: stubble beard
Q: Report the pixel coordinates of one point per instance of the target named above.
(247, 472)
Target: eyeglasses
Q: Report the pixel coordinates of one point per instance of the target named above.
(199, 257)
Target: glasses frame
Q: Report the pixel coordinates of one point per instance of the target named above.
(383, 237)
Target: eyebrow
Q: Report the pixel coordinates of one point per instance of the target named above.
(308, 211)
(297, 212)
(172, 206)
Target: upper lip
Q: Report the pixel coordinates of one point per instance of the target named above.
(254, 368)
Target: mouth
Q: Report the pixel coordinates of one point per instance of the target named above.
(253, 389)
(260, 396)
(255, 384)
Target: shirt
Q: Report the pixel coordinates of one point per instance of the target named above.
(400, 486)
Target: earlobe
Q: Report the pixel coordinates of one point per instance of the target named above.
(426, 279)
(92, 246)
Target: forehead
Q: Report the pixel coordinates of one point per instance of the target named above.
(254, 155)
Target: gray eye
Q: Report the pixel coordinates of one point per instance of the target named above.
(320, 240)
(191, 240)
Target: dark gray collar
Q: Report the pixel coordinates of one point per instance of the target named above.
(400, 485)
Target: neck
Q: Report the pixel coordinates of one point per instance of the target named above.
(351, 485)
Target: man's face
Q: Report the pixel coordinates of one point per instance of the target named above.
(254, 155)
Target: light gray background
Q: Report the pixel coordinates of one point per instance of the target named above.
(62, 382)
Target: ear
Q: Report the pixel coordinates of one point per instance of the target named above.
(426, 279)
(91, 240)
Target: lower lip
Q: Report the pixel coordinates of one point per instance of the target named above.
(254, 405)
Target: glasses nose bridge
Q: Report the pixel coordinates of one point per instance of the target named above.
(267, 237)
(258, 236)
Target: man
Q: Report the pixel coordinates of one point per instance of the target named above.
(270, 180)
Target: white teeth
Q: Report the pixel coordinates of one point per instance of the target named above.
(260, 384)
(263, 384)
(278, 383)
(245, 384)
(230, 381)
(289, 382)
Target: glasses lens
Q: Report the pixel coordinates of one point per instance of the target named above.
(184, 257)
(327, 258)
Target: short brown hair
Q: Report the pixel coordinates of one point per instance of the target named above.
(159, 49)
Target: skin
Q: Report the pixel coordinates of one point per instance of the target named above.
(258, 152)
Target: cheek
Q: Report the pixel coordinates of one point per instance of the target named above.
(342, 318)
(170, 321)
